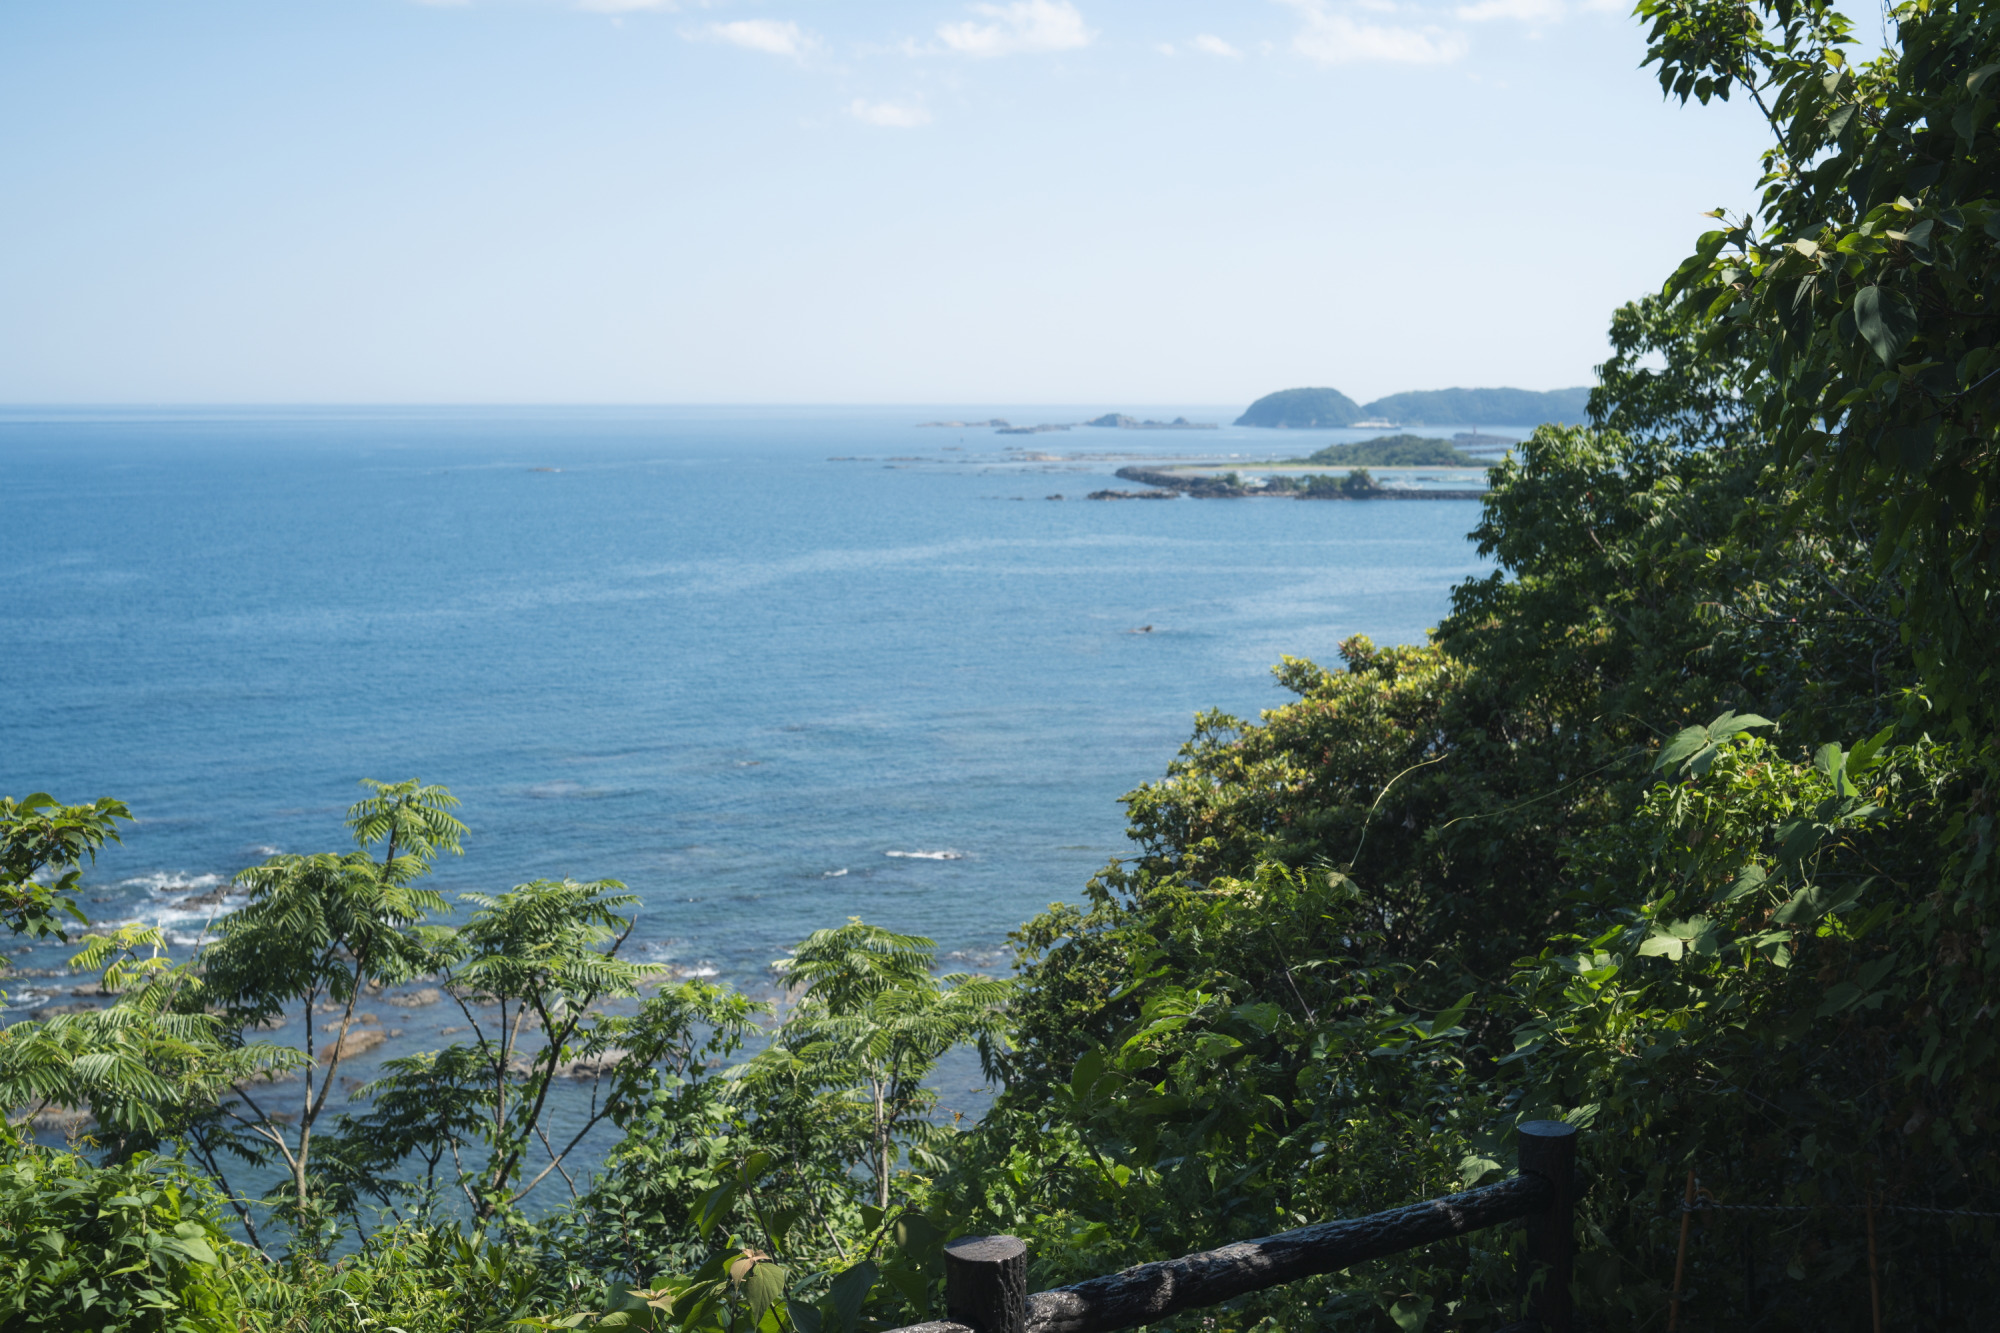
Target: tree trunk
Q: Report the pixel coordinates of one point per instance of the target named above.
(881, 1151)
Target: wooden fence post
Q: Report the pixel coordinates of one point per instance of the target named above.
(986, 1283)
(1547, 1148)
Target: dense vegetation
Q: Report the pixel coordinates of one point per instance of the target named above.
(1679, 828)
(1393, 451)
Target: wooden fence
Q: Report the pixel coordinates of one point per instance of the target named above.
(986, 1277)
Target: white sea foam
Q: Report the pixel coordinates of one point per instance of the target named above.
(183, 921)
(836, 874)
(172, 881)
(946, 855)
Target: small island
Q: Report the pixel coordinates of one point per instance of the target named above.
(1123, 422)
(1393, 451)
(1117, 420)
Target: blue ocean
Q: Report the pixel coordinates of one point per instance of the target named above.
(772, 668)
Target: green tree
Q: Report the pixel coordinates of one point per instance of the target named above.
(151, 1067)
(1868, 278)
(530, 970)
(544, 954)
(322, 929)
(869, 1024)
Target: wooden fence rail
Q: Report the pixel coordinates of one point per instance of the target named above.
(986, 1277)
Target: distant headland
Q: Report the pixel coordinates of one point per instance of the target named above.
(1323, 409)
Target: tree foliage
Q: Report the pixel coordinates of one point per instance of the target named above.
(39, 836)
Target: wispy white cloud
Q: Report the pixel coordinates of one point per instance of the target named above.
(1215, 46)
(1525, 11)
(1024, 27)
(771, 36)
(1332, 37)
(621, 6)
(889, 115)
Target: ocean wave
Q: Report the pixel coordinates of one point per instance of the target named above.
(171, 881)
(836, 874)
(671, 952)
(179, 900)
(946, 855)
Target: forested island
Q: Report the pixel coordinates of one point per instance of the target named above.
(1393, 451)
(1678, 832)
(1293, 480)
(1322, 409)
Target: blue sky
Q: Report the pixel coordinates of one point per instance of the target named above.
(803, 201)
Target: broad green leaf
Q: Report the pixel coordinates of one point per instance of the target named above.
(712, 1208)
(917, 1236)
(1864, 756)
(196, 1249)
(1213, 1046)
(848, 1293)
(764, 1288)
(1088, 1070)
(1684, 743)
(1412, 1313)
(1797, 838)
(1750, 879)
(1885, 322)
(909, 1284)
(1730, 724)
(1449, 1018)
(1814, 901)
(1475, 1167)
(1871, 975)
